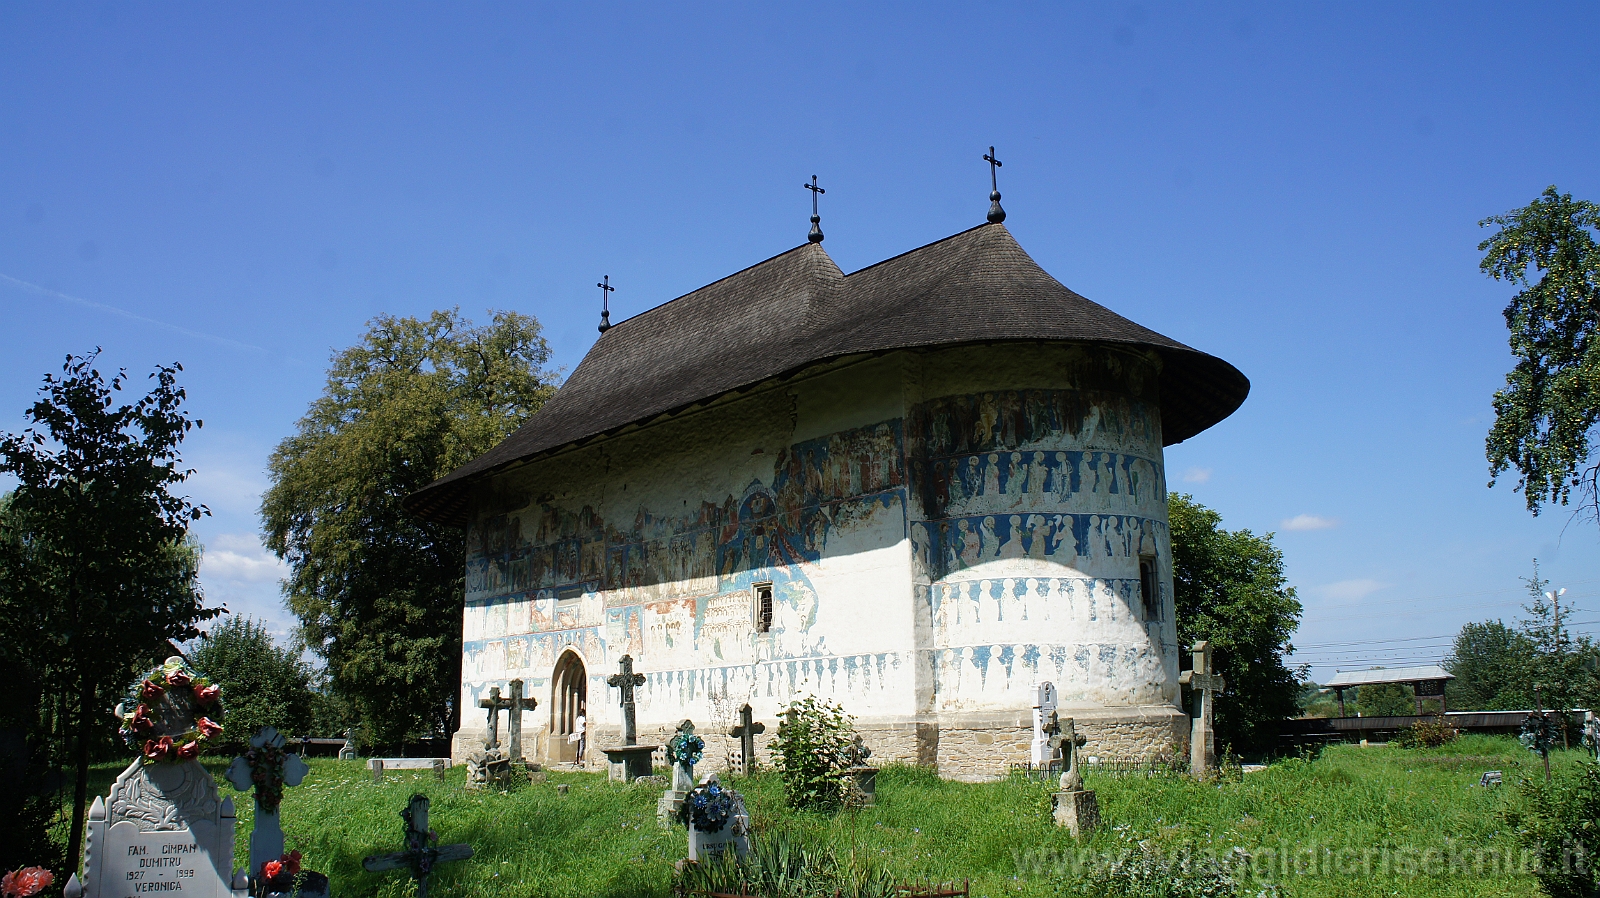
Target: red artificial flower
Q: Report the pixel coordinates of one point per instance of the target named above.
(141, 719)
(149, 691)
(291, 861)
(156, 749)
(207, 695)
(271, 869)
(25, 883)
(207, 728)
(189, 750)
(179, 678)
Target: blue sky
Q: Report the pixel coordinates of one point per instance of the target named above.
(1292, 187)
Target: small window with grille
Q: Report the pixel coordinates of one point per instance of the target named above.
(1149, 587)
(763, 607)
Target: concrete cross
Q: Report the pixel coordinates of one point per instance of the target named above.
(514, 708)
(494, 703)
(746, 732)
(626, 681)
(265, 762)
(1205, 685)
(420, 855)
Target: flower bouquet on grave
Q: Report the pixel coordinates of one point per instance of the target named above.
(709, 807)
(285, 876)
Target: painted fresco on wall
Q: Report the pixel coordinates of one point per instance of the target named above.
(678, 586)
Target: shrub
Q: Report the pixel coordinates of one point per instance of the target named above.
(812, 754)
(1430, 732)
(1557, 823)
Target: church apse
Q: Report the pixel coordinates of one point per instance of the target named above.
(1038, 505)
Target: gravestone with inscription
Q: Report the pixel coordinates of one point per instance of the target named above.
(164, 829)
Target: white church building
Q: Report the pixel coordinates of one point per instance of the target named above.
(918, 490)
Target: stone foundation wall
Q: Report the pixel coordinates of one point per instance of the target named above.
(972, 747)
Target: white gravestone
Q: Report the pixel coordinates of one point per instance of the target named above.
(266, 752)
(735, 834)
(1044, 703)
(150, 840)
(164, 829)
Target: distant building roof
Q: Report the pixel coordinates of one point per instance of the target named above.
(798, 309)
(1381, 675)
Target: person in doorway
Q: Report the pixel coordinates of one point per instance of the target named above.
(579, 734)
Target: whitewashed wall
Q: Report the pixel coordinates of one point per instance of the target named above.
(943, 530)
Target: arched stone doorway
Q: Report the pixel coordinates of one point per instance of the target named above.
(569, 699)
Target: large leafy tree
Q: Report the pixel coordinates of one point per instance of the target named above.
(263, 683)
(1229, 588)
(1545, 417)
(1493, 666)
(378, 591)
(98, 546)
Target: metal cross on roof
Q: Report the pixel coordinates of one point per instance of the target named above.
(605, 303)
(996, 214)
(816, 220)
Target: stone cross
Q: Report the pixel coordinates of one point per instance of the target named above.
(265, 761)
(1205, 684)
(746, 732)
(494, 703)
(626, 680)
(1064, 743)
(420, 855)
(514, 708)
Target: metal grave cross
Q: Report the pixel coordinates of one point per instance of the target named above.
(626, 681)
(420, 855)
(1205, 684)
(514, 708)
(996, 214)
(746, 732)
(816, 220)
(277, 769)
(495, 704)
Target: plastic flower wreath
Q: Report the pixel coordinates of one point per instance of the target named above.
(176, 682)
(709, 807)
(685, 748)
(26, 882)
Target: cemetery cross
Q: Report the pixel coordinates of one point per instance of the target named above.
(267, 768)
(493, 704)
(626, 681)
(1206, 684)
(420, 855)
(746, 732)
(514, 708)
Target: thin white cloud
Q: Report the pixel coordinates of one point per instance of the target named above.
(240, 557)
(57, 295)
(1349, 590)
(1309, 522)
(1197, 475)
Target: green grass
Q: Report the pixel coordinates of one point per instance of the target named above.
(602, 839)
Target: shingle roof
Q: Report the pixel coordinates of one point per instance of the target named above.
(797, 309)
